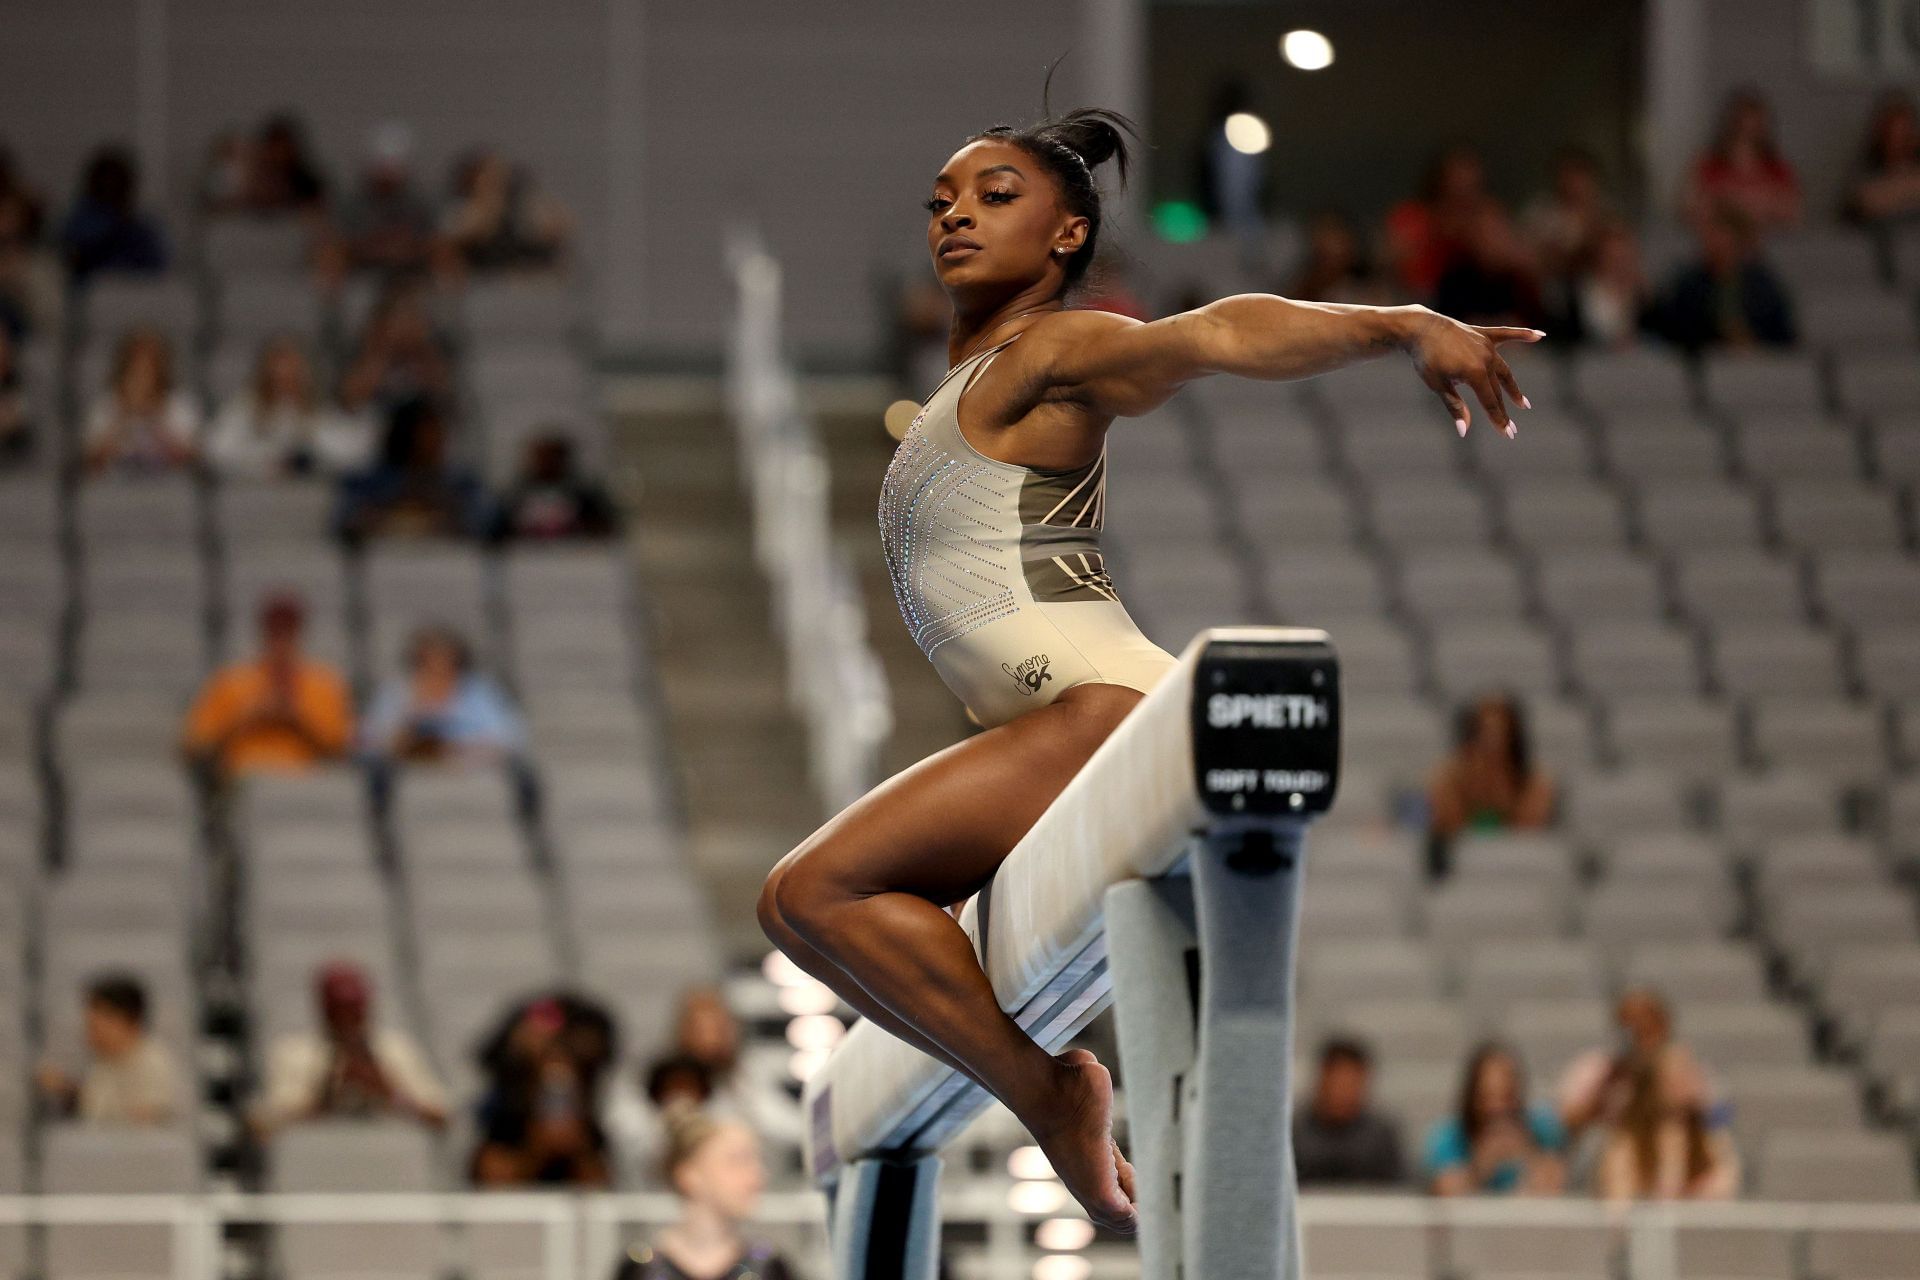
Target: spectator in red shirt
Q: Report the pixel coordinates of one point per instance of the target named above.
(1425, 234)
(1744, 169)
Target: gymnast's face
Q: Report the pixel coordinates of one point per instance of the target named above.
(995, 222)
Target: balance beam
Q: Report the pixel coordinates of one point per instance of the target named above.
(1180, 840)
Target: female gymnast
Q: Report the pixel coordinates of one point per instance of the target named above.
(990, 521)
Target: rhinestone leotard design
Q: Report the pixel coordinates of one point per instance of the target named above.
(997, 568)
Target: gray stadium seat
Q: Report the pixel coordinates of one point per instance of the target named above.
(1846, 741)
(1617, 384)
(1738, 586)
(1841, 1254)
(1867, 588)
(117, 303)
(1470, 658)
(1665, 447)
(1442, 586)
(1697, 516)
(1539, 1252)
(1876, 384)
(1609, 804)
(1338, 971)
(1295, 513)
(1734, 1253)
(1760, 661)
(1325, 582)
(1690, 972)
(1392, 447)
(1561, 515)
(356, 1157)
(1752, 1036)
(1423, 513)
(1816, 515)
(1884, 658)
(110, 1160)
(1587, 585)
(1798, 448)
(1375, 1249)
(1775, 803)
(1818, 1164)
(1743, 381)
(1693, 737)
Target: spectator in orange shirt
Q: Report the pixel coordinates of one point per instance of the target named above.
(281, 711)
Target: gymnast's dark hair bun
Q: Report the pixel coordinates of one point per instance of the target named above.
(1094, 134)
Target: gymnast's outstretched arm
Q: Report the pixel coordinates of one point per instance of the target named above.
(1115, 366)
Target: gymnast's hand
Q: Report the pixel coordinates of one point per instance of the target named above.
(1446, 352)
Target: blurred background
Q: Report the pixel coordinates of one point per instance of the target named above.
(439, 446)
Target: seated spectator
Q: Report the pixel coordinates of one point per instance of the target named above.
(414, 490)
(280, 712)
(142, 421)
(387, 225)
(345, 1068)
(1730, 297)
(540, 1119)
(280, 424)
(1492, 278)
(1606, 301)
(635, 1117)
(1598, 1090)
(130, 1077)
(500, 221)
(715, 1167)
(106, 230)
(1338, 1138)
(1425, 234)
(443, 710)
(282, 176)
(227, 174)
(1664, 1145)
(31, 282)
(706, 1030)
(1886, 187)
(1496, 1143)
(1744, 169)
(1335, 267)
(1564, 223)
(550, 499)
(16, 420)
(399, 356)
(1490, 782)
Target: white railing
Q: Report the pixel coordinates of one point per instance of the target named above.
(582, 1237)
(833, 675)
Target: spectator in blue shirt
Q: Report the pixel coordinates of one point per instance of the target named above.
(1497, 1144)
(442, 709)
(106, 230)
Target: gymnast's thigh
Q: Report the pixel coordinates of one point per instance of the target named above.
(940, 828)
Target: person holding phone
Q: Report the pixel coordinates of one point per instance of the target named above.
(442, 710)
(1496, 1143)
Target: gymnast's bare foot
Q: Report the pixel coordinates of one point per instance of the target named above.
(1076, 1132)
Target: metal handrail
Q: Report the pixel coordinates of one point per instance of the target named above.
(834, 677)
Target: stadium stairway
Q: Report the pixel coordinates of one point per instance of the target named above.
(739, 750)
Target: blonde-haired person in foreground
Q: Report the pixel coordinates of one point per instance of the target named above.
(713, 1164)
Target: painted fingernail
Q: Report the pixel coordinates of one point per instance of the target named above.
(1512, 431)
(1461, 425)
(1525, 403)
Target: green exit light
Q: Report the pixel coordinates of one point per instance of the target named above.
(1180, 221)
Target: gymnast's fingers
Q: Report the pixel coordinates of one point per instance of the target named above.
(1488, 391)
(1505, 374)
(1508, 333)
(1449, 397)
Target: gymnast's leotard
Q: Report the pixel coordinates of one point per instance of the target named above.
(997, 567)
